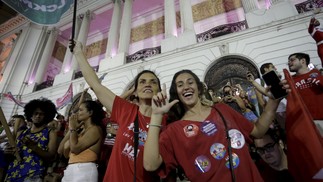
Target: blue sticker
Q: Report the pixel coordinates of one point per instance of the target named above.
(209, 128)
(235, 161)
(314, 75)
(218, 150)
(202, 163)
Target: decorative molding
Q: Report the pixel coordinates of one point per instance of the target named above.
(145, 53)
(45, 84)
(12, 24)
(309, 5)
(222, 30)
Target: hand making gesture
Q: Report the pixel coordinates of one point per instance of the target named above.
(160, 104)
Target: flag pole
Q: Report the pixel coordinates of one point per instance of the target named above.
(10, 137)
(73, 26)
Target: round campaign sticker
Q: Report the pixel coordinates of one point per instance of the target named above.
(218, 150)
(191, 130)
(237, 139)
(202, 163)
(235, 161)
(209, 128)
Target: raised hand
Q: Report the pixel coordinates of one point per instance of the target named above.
(73, 122)
(160, 103)
(250, 77)
(75, 46)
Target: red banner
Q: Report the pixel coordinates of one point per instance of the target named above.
(304, 142)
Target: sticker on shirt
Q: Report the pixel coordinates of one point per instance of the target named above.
(202, 163)
(208, 127)
(235, 161)
(191, 130)
(237, 139)
(218, 150)
(142, 138)
(314, 75)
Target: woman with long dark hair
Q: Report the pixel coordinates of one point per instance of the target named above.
(84, 147)
(208, 142)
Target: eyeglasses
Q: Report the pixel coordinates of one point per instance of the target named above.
(268, 148)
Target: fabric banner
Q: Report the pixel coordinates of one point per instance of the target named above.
(65, 99)
(304, 142)
(12, 98)
(44, 12)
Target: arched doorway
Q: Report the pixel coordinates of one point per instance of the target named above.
(230, 69)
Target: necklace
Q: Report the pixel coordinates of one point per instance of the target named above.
(145, 122)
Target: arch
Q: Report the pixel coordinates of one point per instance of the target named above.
(232, 69)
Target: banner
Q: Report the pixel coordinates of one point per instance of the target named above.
(44, 12)
(304, 142)
(65, 99)
(12, 98)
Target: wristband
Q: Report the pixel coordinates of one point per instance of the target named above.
(155, 125)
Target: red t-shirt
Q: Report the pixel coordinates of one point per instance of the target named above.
(121, 163)
(310, 87)
(200, 148)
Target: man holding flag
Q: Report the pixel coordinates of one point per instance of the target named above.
(304, 108)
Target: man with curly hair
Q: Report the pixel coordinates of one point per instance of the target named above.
(36, 144)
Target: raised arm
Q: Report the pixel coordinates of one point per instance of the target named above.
(265, 119)
(268, 115)
(160, 105)
(105, 95)
(92, 136)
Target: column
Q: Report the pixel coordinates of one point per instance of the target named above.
(250, 5)
(82, 36)
(45, 58)
(125, 29)
(170, 19)
(114, 30)
(187, 22)
(66, 66)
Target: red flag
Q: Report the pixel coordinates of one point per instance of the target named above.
(304, 142)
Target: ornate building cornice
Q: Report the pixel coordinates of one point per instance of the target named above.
(12, 24)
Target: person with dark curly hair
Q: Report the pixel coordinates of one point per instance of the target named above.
(36, 145)
(83, 146)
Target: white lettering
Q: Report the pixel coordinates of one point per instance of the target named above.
(127, 149)
(44, 8)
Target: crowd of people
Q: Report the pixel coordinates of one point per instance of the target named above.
(148, 135)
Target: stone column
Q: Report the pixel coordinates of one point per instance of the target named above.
(170, 19)
(45, 58)
(187, 22)
(112, 46)
(82, 36)
(68, 55)
(125, 29)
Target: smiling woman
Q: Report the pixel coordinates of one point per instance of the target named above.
(224, 132)
(128, 116)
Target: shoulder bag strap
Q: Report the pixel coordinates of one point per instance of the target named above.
(136, 138)
(229, 144)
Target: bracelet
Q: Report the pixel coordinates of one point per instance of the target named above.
(155, 125)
